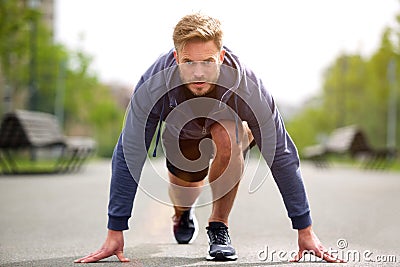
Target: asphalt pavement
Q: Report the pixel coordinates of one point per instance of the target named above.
(50, 220)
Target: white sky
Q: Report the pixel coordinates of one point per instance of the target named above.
(288, 43)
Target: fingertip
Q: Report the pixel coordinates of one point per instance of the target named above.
(296, 257)
(121, 257)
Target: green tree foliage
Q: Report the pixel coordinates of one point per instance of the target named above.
(14, 44)
(88, 106)
(355, 90)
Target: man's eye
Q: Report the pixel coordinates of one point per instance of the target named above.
(189, 62)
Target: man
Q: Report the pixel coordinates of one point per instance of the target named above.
(202, 92)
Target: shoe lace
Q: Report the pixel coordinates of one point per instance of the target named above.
(219, 235)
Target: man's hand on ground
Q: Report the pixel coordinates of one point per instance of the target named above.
(114, 245)
(309, 243)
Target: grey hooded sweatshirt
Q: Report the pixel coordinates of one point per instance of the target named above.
(239, 95)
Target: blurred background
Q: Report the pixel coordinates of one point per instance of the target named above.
(329, 64)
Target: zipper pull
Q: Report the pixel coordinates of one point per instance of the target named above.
(204, 130)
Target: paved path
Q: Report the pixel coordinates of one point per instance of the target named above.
(50, 220)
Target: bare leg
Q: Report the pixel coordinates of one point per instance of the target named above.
(227, 167)
(183, 194)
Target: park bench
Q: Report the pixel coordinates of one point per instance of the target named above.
(39, 135)
(352, 141)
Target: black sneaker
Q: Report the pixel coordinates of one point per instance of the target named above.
(220, 243)
(185, 227)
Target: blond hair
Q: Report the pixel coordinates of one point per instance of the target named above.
(197, 27)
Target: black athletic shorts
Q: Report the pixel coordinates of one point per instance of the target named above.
(190, 149)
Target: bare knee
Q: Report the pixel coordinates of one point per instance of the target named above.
(224, 137)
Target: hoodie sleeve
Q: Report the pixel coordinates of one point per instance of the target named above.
(286, 172)
(128, 159)
(142, 117)
(278, 150)
(122, 191)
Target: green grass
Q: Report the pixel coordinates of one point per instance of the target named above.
(29, 166)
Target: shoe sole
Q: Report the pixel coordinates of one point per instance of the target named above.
(219, 256)
(196, 228)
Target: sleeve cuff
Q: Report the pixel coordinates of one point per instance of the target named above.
(117, 223)
(302, 221)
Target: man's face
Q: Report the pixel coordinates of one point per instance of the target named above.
(199, 64)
